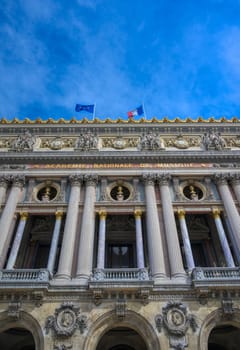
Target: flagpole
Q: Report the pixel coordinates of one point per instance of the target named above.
(144, 111)
(94, 111)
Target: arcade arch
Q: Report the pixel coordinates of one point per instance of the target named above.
(23, 333)
(219, 332)
(133, 333)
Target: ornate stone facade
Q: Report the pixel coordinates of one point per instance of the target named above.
(120, 234)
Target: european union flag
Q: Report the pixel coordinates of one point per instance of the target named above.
(87, 108)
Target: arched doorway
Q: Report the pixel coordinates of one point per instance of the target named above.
(224, 337)
(17, 339)
(121, 338)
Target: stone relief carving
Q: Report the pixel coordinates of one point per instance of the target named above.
(5, 143)
(150, 141)
(121, 307)
(176, 321)
(213, 141)
(14, 309)
(24, 142)
(233, 141)
(66, 320)
(57, 143)
(182, 142)
(227, 309)
(87, 141)
(119, 142)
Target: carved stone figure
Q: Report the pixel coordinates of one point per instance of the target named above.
(87, 141)
(151, 142)
(213, 141)
(24, 142)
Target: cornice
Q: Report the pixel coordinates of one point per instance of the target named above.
(120, 157)
(119, 120)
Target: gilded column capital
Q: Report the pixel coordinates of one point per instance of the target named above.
(221, 179)
(216, 213)
(149, 178)
(163, 179)
(181, 213)
(102, 214)
(76, 179)
(58, 214)
(23, 215)
(91, 179)
(137, 213)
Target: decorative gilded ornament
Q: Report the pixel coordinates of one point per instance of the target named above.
(56, 143)
(181, 143)
(119, 143)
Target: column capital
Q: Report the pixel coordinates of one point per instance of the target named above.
(76, 179)
(221, 179)
(216, 213)
(102, 214)
(137, 213)
(58, 214)
(4, 181)
(91, 179)
(149, 178)
(181, 213)
(235, 179)
(23, 215)
(18, 180)
(163, 179)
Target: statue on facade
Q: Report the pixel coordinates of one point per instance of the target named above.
(213, 141)
(24, 142)
(150, 141)
(87, 141)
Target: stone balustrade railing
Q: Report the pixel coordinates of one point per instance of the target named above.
(215, 275)
(24, 275)
(127, 274)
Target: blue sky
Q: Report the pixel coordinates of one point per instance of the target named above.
(179, 57)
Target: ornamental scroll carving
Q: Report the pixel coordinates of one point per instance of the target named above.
(176, 321)
(66, 320)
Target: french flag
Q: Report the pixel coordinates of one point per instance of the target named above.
(135, 112)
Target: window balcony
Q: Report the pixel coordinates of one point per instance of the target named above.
(216, 276)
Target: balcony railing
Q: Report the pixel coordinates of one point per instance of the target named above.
(120, 274)
(24, 276)
(215, 275)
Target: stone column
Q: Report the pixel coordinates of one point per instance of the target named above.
(186, 240)
(85, 253)
(8, 214)
(229, 205)
(17, 241)
(235, 182)
(54, 242)
(3, 188)
(139, 239)
(69, 234)
(174, 251)
(222, 238)
(154, 238)
(101, 239)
